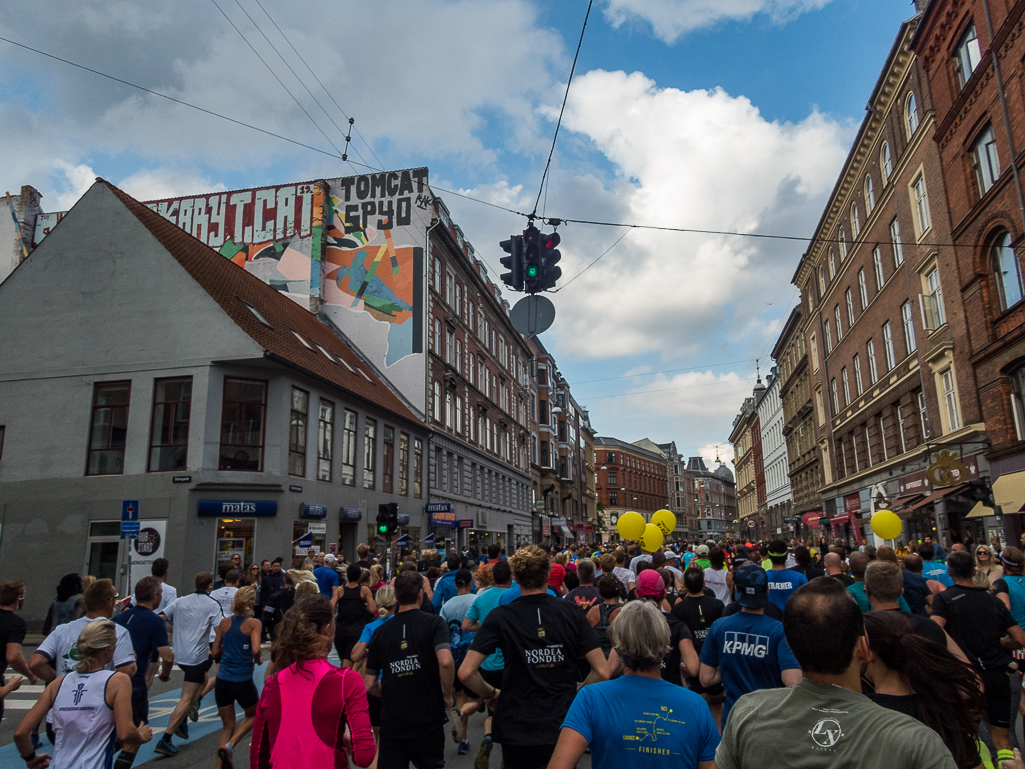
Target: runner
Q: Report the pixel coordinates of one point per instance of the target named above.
(1011, 587)
(445, 587)
(307, 704)
(627, 576)
(91, 706)
(717, 577)
(67, 605)
(12, 636)
(225, 594)
(917, 592)
(933, 567)
(681, 661)
(833, 565)
(747, 651)
(586, 595)
(413, 656)
(192, 619)
(454, 613)
(699, 611)
(386, 605)
(238, 644)
(883, 586)
(610, 717)
(355, 607)
(543, 641)
(601, 615)
(782, 581)
(327, 576)
(149, 636)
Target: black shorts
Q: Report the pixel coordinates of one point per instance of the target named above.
(998, 696)
(196, 674)
(140, 707)
(492, 677)
(229, 692)
(374, 708)
(694, 684)
(427, 752)
(526, 756)
(344, 644)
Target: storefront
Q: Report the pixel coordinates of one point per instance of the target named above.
(235, 526)
(349, 519)
(443, 526)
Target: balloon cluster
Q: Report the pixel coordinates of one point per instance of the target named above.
(650, 535)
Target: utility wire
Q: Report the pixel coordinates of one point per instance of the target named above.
(332, 98)
(565, 97)
(625, 233)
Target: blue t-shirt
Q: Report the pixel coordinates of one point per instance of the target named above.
(148, 633)
(751, 652)
(937, 570)
(687, 558)
(482, 605)
(644, 723)
(782, 585)
(513, 593)
(327, 579)
(370, 627)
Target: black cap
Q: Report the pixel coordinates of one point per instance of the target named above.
(464, 577)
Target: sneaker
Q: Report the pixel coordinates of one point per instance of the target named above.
(194, 710)
(456, 719)
(182, 730)
(464, 748)
(483, 760)
(227, 755)
(165, 748)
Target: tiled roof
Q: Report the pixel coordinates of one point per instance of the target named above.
(233, 288)
(604, 440)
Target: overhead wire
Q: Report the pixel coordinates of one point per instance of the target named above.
(625, 233)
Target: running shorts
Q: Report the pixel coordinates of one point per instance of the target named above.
(229, 692)
(196, 674)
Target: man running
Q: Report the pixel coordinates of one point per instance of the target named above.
(413, 655)
(454, 613)
(833, 565)
(326, 575)
(933, 567)
(699, 612)
(586, 595)
(192, 617)
(149, 636)
(747, 651)
(627, 576)
(12, 633)
(782, 581)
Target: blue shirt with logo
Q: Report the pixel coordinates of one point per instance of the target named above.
(782, 585)
(751, 652)
(937, 570)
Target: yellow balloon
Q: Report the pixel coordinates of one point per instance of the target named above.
(665, 520)
(651, 539)
(887, 524)
(631, 525)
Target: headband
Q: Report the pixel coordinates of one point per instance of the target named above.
(1009, 562)
(777, 555)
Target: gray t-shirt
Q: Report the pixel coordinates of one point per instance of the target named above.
(811, 726)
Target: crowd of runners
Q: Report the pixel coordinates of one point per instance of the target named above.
(727, 654)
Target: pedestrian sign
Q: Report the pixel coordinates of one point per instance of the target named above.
(130, 510)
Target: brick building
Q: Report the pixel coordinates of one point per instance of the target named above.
(630, 478)
(971, 56)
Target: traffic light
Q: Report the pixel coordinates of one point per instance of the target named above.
(980, 490)
(513, 262)
(531, 260)
(387, 519)
(550, 256)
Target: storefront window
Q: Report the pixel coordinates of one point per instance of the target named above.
(235, 535)
(317, 532)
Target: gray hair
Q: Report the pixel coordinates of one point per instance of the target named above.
(640, 635)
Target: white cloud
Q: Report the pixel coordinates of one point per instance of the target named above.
(157, 183)
(670, 19)
(76, 179)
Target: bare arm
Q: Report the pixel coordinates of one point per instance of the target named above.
(39, 665)
(255, 631)
(119, 698)
(368, 598)
(568, 750)
(222, 627)
(708, 675)
(447, 668)
(358, 651)
(469, 674)
(16, 659)
(32, 719)
(689, 663)
(1006, 598)
(373, 684)
(469, 626)
(791, 676)
(599, 667)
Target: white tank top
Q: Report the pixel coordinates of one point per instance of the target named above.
(716, 582)
(84, 722)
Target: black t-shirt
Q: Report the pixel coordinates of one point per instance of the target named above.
(543, 642)
(907, 704)
(12, 631)
(698, 614)
(584, 596)
(810, 571)
(976, 620)
(404, 650)
(678, 631)
(844, 579)
(771, 610)
(924, 627)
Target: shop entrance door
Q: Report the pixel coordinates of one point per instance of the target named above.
(103, 551)
(235, 535)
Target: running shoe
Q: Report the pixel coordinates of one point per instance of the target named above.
(464, 747)
(483, 760)
(165, 748)
(194, 710)
(182, 730)
(227, 755)
(456, 719)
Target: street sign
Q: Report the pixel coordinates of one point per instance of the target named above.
(130, 529)
(751, 523)
(130, 510)
(532, 315)
(429, 541)
(304, 543)
(404, 541)
(403, 519)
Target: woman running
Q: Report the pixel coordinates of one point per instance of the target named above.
(92, 708)
(355, 607)
(238, 643)
(386, 605)
(305, 707)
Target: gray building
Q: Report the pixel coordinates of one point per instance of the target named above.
(138, 365)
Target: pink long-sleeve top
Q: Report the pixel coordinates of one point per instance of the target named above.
(301, 718)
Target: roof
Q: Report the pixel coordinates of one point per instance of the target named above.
(233, 289)
(617, 443)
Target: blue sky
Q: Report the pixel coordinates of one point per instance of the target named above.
(715, 114)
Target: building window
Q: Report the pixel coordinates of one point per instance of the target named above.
(868, 446)
(404, 463)
(886, 161)
(242, 424)
(936, 316)
(850, 308)
(909, 327)
(169, 430)
(388, 460)
(349, 449)
(843, 244)
(923, 413)
(911, 114)
(873, 371)
(813, 343)
(109, 428)
(325, 440)
(949, 399)
(862, 289)
(891, 358)
(1017, 400)
(437, 274)
(839, 326)
(437, 401)
(459, 300)
(855, 225)
(846, 387)
(1007, 271)
(418, 467)
(369, 453)
(448, 410)
(297, 422)
(459, 415)
(900, 427)
(471, 367)
(613, 498)
(437, 337)
(612, 478)
(832, 264)
(835, 400)
(459, 356)
(898, 244)
(822, 283)
(858, 387)
(829, 338)
(985, 160)
(450, 296)
(870, 195)
(877, 264)
(882, 437)
(921, 205)
(967, 56)
(449, 344)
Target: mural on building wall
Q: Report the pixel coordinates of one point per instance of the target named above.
(374, 270)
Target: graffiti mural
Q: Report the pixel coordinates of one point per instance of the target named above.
(374, 270)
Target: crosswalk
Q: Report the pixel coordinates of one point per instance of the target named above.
(25, 697)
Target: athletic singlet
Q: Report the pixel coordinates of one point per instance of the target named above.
(1016, 590)
(602, 628)
(352, 613)
(716, 582)
(83, 722)
(237, 656)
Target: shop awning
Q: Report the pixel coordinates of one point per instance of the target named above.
(980, 511)
(1009, 491)
(566, 531)
(936, 495)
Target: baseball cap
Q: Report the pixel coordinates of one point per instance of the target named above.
(702, 550)
(751, 585)
(671, 556)
(464, 577)
(649, 582)
(330, 558)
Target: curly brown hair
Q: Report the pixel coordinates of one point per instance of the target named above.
(299, 638)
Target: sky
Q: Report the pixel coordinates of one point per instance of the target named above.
(725, 115)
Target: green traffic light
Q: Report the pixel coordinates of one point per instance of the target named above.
(382, 529)
(532, 271)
